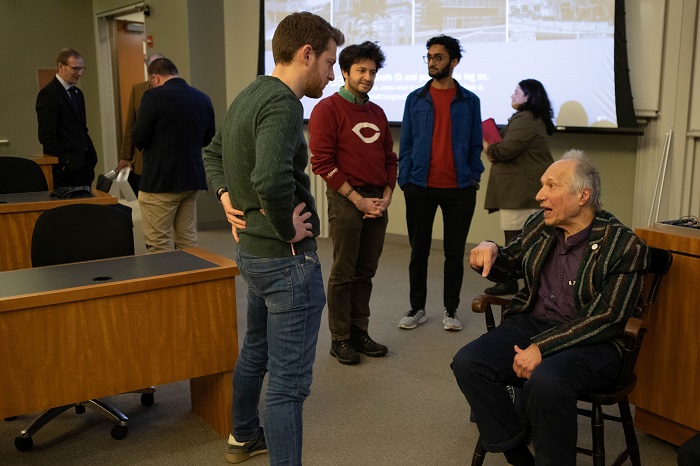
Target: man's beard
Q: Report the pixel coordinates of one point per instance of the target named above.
(441, 73)
(314, 86)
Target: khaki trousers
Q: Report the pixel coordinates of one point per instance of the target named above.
(169, 220)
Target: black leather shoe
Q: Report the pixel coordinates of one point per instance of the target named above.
(362, 342)
(507, 287)
(344, 352)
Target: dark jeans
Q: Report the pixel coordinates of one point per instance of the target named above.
(357, 246)
(457, 207)
(484, 367)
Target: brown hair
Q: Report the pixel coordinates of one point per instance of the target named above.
(299, 29)
(65, 54)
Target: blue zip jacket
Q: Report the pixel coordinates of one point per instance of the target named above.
(417, 137)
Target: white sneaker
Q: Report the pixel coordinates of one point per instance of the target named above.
(412, 318)
(451, 322)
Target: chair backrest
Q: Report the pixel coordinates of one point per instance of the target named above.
(660, 261)
(81, 232)
(20, 175)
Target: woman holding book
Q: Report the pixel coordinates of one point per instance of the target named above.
(518, 161)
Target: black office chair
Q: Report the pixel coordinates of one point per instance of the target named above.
(76, 233)
(20, 175)
(659, 263)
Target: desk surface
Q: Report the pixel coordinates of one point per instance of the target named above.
(26, 202)
(164, 317)
(58, 277)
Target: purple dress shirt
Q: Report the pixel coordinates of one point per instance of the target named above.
(555, 296)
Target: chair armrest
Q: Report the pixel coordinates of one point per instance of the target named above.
(483, 301)
(632, 338)
(482, 305)
(632, 329)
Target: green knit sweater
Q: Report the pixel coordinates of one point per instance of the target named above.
(259, 153)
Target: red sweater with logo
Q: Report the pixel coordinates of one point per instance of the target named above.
(351, 142)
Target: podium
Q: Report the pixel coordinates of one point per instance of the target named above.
(666, 399)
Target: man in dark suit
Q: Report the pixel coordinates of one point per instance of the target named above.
(173, 124)
(129, 155)
(60, 110)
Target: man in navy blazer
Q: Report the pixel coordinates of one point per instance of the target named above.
(174, 122)
(60, 111)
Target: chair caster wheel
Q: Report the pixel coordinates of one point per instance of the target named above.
(119, 432)
(24, 443)
(147, 399)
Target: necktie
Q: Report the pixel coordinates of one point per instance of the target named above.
(73, 100)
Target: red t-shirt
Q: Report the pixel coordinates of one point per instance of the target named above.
(442, 172)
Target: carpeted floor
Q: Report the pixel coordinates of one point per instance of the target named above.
(403, 409)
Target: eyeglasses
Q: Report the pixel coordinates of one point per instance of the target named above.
(435, 58)
(77, 69)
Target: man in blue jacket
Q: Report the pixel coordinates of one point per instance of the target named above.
(439, 166)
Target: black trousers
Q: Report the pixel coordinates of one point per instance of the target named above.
(457, 206)
(64, 177)
(484, 367)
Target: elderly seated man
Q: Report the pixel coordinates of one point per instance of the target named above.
(583, 271)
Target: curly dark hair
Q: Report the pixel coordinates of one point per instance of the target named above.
(537, 102)
(454, 48)
(358, 52)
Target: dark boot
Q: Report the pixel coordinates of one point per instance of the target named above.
(362, 342)
(507, 287)
(344, 352)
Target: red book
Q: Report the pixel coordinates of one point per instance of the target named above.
(490, 131)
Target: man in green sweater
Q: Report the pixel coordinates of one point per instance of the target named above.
(256, 162)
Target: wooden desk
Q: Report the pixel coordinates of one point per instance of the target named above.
(18, 214)
(46, 163)
(667, 398)
(65, 337)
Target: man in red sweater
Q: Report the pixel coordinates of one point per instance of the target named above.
(352, 149)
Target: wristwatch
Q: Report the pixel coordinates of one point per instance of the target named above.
(220, 192)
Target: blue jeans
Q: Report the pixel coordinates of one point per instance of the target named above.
(285, 300)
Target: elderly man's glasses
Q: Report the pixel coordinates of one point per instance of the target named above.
(434, 58)
(77, 69)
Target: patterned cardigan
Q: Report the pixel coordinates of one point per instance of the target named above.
(608, 283)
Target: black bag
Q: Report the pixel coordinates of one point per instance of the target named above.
(103, 184)
(67, 192)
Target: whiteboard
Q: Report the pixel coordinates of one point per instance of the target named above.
(645, 21)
